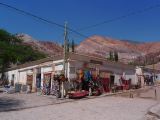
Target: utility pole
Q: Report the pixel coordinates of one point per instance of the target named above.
(64, 57)
(65, 49)
(154, 70)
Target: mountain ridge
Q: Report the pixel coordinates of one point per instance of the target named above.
(101, 46)
(47, 47)
(128, 51)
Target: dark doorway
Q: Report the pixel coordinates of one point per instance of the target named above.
(38, 81)
(112, 80)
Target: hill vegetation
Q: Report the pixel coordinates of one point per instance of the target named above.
(14, 52)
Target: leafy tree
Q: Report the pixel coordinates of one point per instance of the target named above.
(116, 56)
(68, 47)
(13, 51)
(111, 55)
(73, 45)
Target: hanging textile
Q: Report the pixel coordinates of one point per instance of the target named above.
(87, 76)
(47, 83)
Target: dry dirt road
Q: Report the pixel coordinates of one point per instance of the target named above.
(104, 108)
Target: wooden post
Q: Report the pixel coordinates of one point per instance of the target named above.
(155, 93)
(64, 58)
(130, 94)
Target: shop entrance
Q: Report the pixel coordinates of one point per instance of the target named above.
(30, 81)
(112, 80)
(38, 80)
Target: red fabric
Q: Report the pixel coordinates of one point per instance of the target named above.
(126, 84)
(105, 83)
(78, 94)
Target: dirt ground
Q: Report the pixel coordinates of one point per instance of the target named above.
(117, 107)
(18, 101)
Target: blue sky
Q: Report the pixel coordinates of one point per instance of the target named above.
(143, 27)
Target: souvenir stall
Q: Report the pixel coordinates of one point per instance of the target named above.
(87, 81)
(124, 84)
(79, 80)
(46, 84)
(95, 83)
(29, 82)
(55, 86)
(79, 86)
(105, 78)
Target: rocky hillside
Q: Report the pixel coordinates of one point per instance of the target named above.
(128, 51)
(49, 48)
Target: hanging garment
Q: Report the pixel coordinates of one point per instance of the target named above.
(87, 76)
(55, 87)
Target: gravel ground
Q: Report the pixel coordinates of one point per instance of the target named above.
(153, 93)
(23, 101)
(104, 108)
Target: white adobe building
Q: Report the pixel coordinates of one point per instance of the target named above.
(34, 73)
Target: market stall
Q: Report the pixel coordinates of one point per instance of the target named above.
(30, 82)
(105, 78)
(46, 84)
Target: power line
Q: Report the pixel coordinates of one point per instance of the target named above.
(42, 19)
(120, 17)
(72, 30)
(30, 14)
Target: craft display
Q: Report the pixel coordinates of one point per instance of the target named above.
(29, 82)
(47, 84)
(56, 86)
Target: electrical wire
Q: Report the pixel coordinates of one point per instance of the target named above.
(72, 30)
(120, 17)
(42, 19)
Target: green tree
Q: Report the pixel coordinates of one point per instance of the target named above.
(68, 47)
(13, 51)
(73, 45)
(111, 56)
(115, 56)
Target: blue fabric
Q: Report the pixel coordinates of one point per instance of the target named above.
(87, 76)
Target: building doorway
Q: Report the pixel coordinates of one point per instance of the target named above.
(112, 80)
(30, 81)
(12, 80)
(38, 80)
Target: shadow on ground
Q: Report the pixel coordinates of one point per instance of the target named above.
(7, 104)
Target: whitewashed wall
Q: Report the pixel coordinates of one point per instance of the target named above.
(22, 77)
(15, 73)
(58, 66)
(21, 74)
(116, 79)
